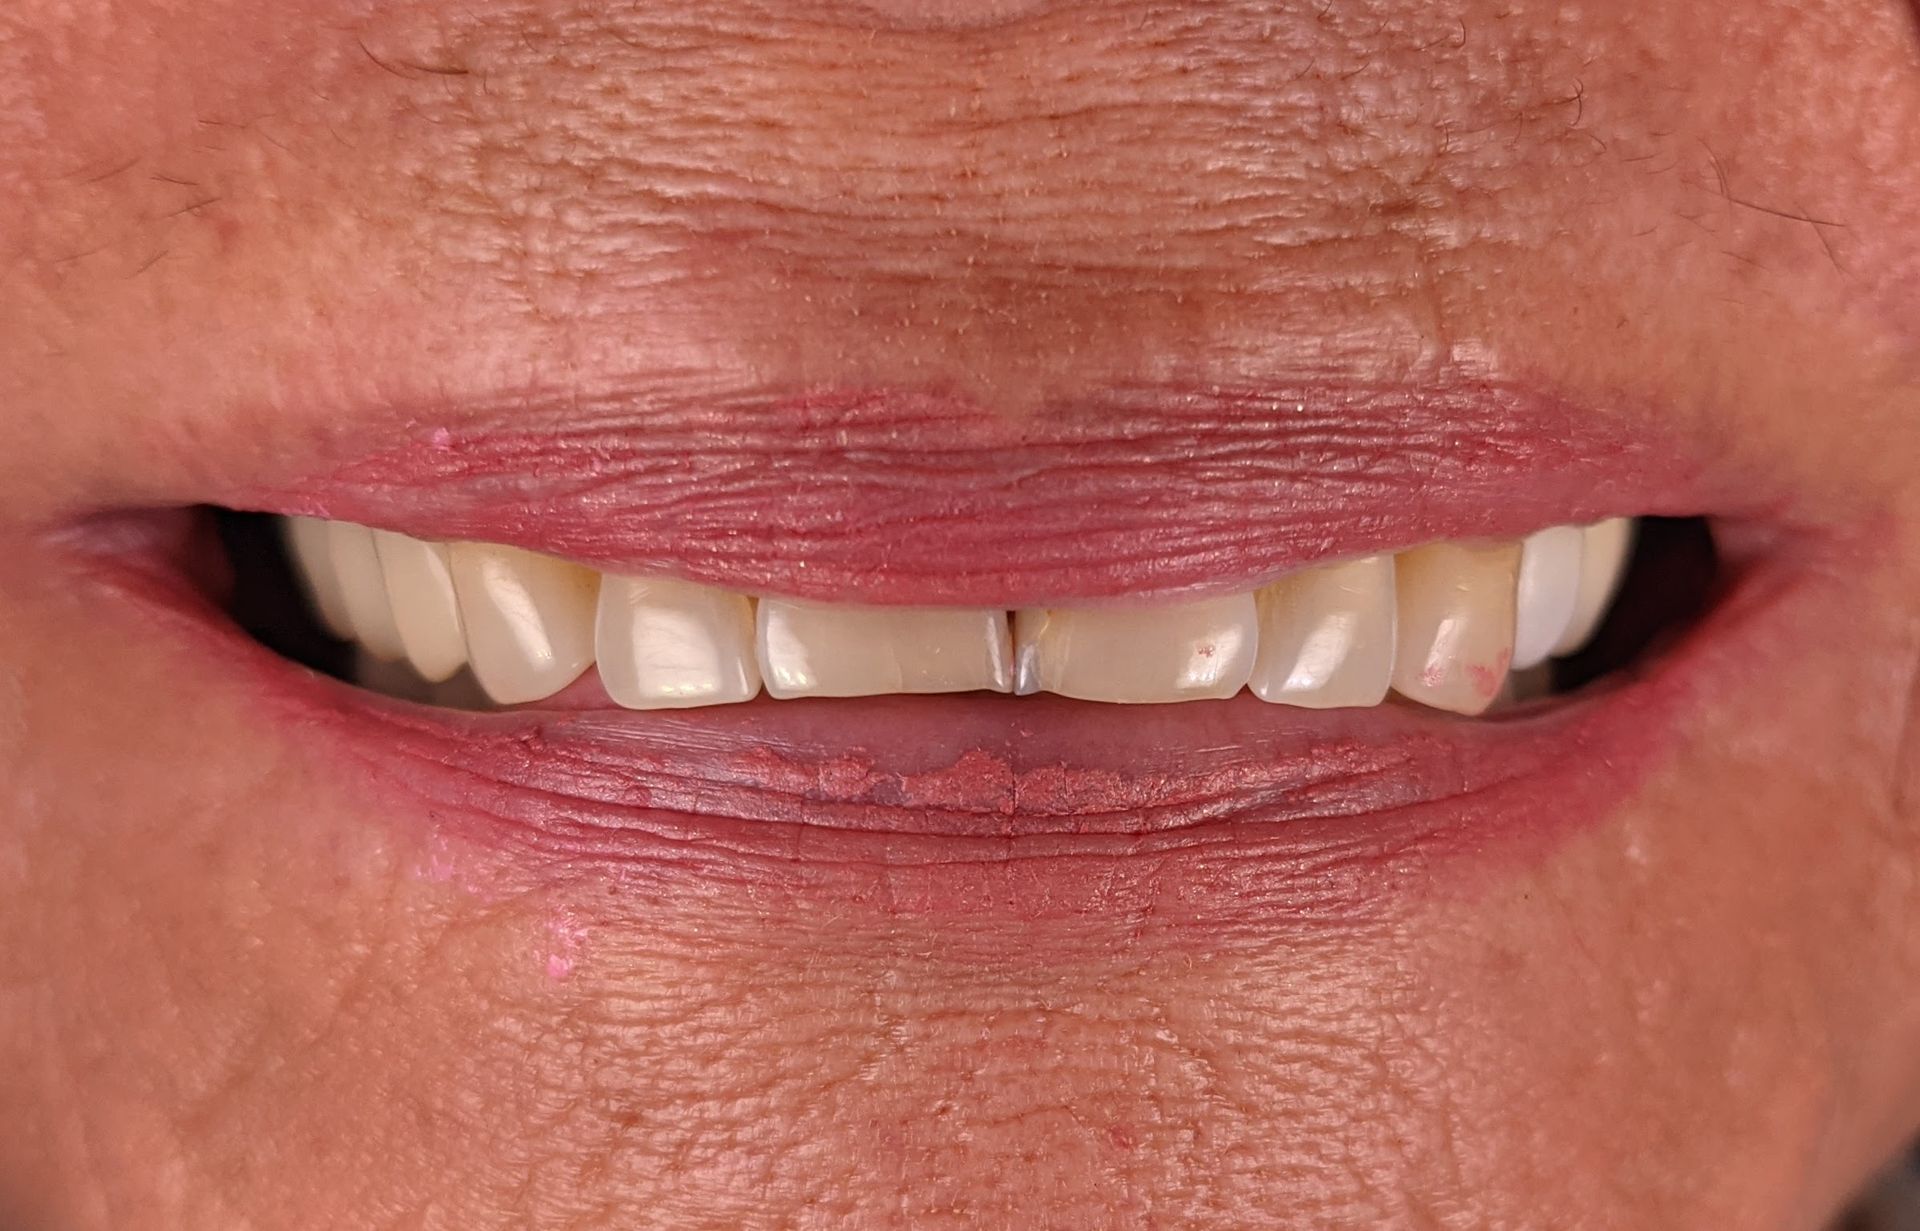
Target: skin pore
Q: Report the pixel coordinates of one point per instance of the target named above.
(241, 985)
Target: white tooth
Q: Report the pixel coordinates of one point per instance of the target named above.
(1548, 592)
(310, 546)
(1326, 636)
(1177, 652)
(420, 586)
(816, 650)
(357, 565)
(1455, 624)
(529, 619)
(1604, 549)
(666, 644)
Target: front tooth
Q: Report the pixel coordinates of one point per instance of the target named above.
(529, 619)
(420, 586)
(1604, 548)
(1184, 652)
(1456, 624)
(1326, 636)
(356, 562)
(311, 548)
(815, 650)
(667, 644)
(1546, 595)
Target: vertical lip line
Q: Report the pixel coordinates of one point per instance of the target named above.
(916, 497)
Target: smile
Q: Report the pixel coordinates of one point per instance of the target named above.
(1379, 647)
(1445, 625)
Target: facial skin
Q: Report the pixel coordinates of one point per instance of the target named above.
(239, 987)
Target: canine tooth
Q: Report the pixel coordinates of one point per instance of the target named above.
(1183, 652)
(1456, 624)
(364, 588)
(816, 650)
(1604, 548)
(1547, 593)
(426, 612)
(528, 618)
(1326, 636)
(663, 643)
(310, 547)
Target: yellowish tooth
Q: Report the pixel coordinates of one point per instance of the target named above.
(426, 612)
(1456, 624)
(1604, 550)
(1327, 636)
(528, 619)
(1175, 652)
(663, 643)
(310, 547)
(818, 650)
(363, 586)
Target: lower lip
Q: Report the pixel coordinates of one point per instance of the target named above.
(1211, 814)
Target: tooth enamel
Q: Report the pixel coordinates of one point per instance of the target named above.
(1185, 652)
(419, 579)
(1604, 549)
(528, 618)
(667, 644)
(310, 545)
(1455, 626)
(1455, 638)
(363, 587)
(1327, 636)
(817, 650)
(1546, 595)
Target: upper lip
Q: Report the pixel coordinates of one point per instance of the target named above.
(918, 497)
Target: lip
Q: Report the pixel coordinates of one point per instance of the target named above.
(1037, 806)
(1208, 814)
(914, 497)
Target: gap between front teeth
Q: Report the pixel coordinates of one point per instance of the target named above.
(1442, 625)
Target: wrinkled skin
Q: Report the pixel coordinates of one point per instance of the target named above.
(238, 989)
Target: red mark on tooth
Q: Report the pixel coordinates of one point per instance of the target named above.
(1487, 679)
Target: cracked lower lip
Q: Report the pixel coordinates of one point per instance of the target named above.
(1045, 807)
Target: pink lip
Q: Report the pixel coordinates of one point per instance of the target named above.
(915, 497)
(1036, 806)
(1207, 815)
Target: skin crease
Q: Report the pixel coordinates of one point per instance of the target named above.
(237, 989)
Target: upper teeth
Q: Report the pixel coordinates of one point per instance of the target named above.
(1441, 625)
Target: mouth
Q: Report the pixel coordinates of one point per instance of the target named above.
(1349, 629)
